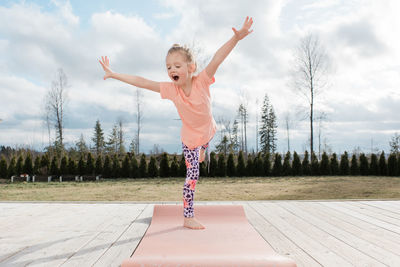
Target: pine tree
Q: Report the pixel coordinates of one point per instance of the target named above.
(71, 166)
(314, 164)
(98, 170)
(28, 168)
(392, 165)
(374, 167)
(267, 164)
(286, 168)
(230, 168)
(324, 167)
(126, 167)
(354, 169)
(107, 170)
(174, 167)
(81, 166)
(363, 164)
(296, 164)
(213, 165)
(305, 165)
(64, 166)
(334, 165)
(98, 138)
(81, 146)
(164, 165)
(153, 170)
(89, 164)
(3, 167)
(203, 169)
(241, 168)
(277, 168)
(268, 127)
(116, 167)
(221, 165)
(223, 146)
(234, 141)
(382, 164)
(112, 142)
(143, 166)
(344, 164)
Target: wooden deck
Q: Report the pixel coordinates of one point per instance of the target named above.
(313, 233)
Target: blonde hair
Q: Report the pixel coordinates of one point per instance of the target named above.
(185, 51)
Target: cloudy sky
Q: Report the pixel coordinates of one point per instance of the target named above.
(361, 99)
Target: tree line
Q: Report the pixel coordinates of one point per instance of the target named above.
(232, 165)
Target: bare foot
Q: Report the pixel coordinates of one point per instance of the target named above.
(192, 224)
(202, 155)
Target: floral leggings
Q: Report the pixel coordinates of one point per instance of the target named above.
(192, 175)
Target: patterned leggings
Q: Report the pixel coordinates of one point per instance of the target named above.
(192, 175)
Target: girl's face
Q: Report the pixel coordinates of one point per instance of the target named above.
(179, 70)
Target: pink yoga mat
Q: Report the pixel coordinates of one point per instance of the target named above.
(228, 240)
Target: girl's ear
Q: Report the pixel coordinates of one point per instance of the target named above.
(192, 67)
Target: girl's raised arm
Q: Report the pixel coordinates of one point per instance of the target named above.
(133, 80)
(224, 51)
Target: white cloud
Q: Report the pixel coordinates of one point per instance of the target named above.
(356, 34)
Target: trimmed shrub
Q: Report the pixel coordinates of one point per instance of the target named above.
(324, 168)
(98, 169)
(143, 166)
(153, 170)
(134, 167)
(305, 165)
(89, 164)
(71, 166)
(231, 169)
(374, 167)
(249, 166)
(221, 165)
(241, 168)
(267, 164)
(54, 169)
(364, 170)
(314, 164)
(81, 166)
(277, 168)
(174, 170)
(296, 164)
(286, 168)
(354, 169)
(126, 167)
(213, 165)
(164, 165)
(3, 167)
(64, 166)
(344, 164)
(258, 165)
(392, 165)
(107, 167)
(334, 165)
(382, 164)
(28, 168)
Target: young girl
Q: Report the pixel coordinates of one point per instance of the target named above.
(191, 96)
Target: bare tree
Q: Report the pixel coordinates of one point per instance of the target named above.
(320, 118)
(139, 118)
(309, 75)
(121, 147)
(56, 99)
(288, 122)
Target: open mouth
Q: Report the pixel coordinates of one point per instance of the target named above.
(175, 77)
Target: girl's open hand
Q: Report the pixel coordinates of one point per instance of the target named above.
(105, 63)
(245, 30)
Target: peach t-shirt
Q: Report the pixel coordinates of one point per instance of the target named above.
(198, 124)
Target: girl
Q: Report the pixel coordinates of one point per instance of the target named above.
(191, 96)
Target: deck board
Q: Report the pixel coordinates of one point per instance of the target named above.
(313, 233)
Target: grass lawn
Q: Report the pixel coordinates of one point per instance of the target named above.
(207, 189)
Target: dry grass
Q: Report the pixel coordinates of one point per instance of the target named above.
(207, 189)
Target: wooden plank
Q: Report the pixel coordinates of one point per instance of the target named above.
(302, 234)
(127, 242)
(67, 228)
(278, 240)
(383, 205)
(341, 207)
(355, 249)
(123, 215)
